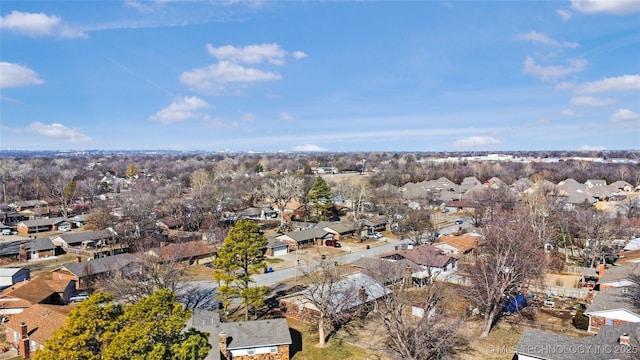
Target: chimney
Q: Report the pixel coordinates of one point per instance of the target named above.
(624, 339)
(78, 259)
(223, 341)
(601, 270)
(408, 276)
(24, 341)
(362, 294)
(23, 253)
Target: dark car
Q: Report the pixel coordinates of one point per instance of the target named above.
(333, 243)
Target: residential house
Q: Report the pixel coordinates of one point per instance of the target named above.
(23, 295)
(23, 250)
(611, 306)
(617, 276)
(622, 186)
(340, 230)
(85, 272)
(374, 223)
(354, 293)
(261, 339)
(303, 238)
(12, 276)
(276, 248)
(462, 247)
(619, 342)
(572, 193)
(41, 225)
(255, 213)
(75, 239)
(29, 330)
(387, 272)
(188, 253)
(432, 260)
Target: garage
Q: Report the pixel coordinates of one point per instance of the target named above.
(277, 248)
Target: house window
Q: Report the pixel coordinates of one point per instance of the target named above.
(32, 345)
(251, 351)
(608, 321)
(16, 337)
(273, 349)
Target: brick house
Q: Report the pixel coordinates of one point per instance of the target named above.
(351, 294)
(247, 340)
(618, 342)
(304, 238)
(611, 307)
(29, 330)
(84, 272)
(617, 276)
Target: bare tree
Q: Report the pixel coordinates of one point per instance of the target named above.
(282, 190)
(434, 335)
(507, 260)
(328, 295)
(418, 225)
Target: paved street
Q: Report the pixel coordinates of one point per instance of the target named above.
(306, 261)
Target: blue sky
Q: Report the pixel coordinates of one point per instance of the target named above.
(320, 75)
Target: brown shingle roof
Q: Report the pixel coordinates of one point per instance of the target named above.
(425, 255)
(463, 243)
(33, 291)
(42, 321)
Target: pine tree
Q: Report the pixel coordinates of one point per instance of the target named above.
(242, 255)
(320, 198)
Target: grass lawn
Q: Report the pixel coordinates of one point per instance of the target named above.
(305, 346)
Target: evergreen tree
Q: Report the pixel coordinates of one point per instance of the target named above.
(241, 255)
(152, 328)
(320, 198)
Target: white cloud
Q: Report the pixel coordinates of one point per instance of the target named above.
(564, 14)
(299, 55)
(475, 141)
(619, 83)
(180, 110)
(216, 76)
(552, 72)
(14, 75)
(286, 116)
(57, 131)
(570, 113)
(37, 25)
(137, 5)
(308, 147)
(591, 101)
(565, 85)
(592, 148)
(625, 118)
(248, 117)
(251, 54)
(537, 37)
(617, 7)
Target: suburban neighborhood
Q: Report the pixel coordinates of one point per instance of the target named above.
(328, 259)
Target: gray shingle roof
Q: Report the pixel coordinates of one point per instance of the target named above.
(246, 334)
(99, 266)
(612, 299)
(78, 237)
(620, 272)
(604, 346)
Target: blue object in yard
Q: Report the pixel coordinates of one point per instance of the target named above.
(515, 304)
(270, 270)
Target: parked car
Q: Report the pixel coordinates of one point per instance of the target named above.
(79, 297)
(459, 222)
(333, 243)
(6, 231)
(375, 235)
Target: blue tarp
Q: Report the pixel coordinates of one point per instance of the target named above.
(514, 305)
